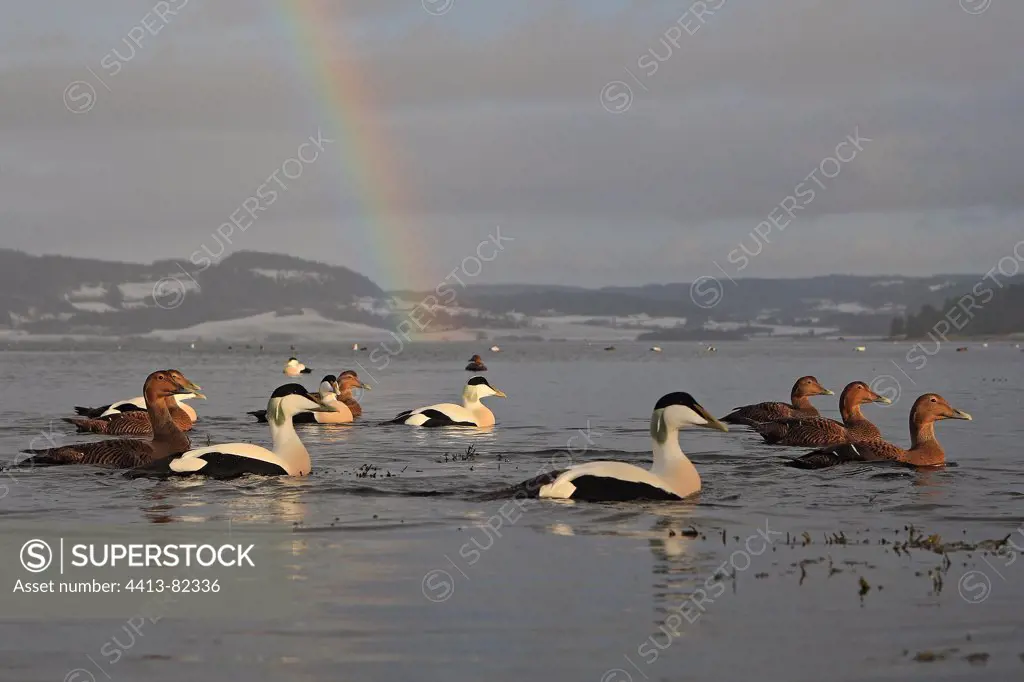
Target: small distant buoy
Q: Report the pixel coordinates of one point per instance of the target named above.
(495, 349)
(860, 349)
(656, 349)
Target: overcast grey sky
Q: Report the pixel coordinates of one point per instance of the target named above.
(491, 113)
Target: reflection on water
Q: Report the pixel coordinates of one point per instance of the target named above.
(557, 590)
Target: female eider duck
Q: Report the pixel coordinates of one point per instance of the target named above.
(345, 389)
(471, 412)
(816, 432)
(924, 451)
(294, 368)
(135, 405)
(671, 477)
(159, 390)
(799, 406)
(476, 364)
(230, 460)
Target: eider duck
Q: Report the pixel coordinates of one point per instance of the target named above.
(476, 364)
(799, 406)
(471, 412)
(159, 390)
(816, 432)
(671, 477)
(924, 451)
(495, 349)
(134, 405)
(133, 423)
(294, 368)
(230, 460)
(328, 388)
(345, 391)
(332, 409)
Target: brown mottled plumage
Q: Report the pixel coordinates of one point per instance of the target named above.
(130, 423)
(476, 364)
(818, 432)
(799, 406)
(924, 451)
(159, 390)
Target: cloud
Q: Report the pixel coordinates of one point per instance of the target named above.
(489, 114)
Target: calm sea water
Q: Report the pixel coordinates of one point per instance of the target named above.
(403, 584)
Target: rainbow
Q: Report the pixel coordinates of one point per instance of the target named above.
(347, 114)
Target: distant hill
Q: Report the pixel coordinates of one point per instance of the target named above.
(982, 308)
(60, 295)
(852, 305)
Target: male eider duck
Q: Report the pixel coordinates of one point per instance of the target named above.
(476, 364)
(135, 405)
(294, 368)
(159, 390)
(671, 477)
(136, 422)
(471, 412)
(924, 451)
(816, 432)
(800, 405)
(230, 460)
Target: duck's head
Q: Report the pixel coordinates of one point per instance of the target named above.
(166, 383)
(477, 388)
(476, 359)
(859, 393)
(329, 384)
(676, 411)
(932, 407)
(289, 400)
(808, 386)
(348, 381)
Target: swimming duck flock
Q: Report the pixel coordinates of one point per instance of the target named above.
(162, 415)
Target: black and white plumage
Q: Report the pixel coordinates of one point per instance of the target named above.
(471, 412)
(137, 404)
(294, 368)
(672, 475)
(230, 460)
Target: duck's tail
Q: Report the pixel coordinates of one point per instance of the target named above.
(92, 412)
(737, 416)
(84, 425)
(827, 457)
(525, 490)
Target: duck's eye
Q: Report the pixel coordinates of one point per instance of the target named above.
(934, 400)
